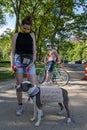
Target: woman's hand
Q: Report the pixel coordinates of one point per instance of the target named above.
(14, 68)
(45, 63)
(29, 66)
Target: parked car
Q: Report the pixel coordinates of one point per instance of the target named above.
(76, 62)
(64, 61)
(84, 62)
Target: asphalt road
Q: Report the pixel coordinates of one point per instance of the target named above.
(76, 69)
(77, 90)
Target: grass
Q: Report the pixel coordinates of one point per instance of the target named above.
(5, 71)
(4, 75)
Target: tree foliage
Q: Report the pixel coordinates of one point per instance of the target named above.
(5, 45)
(2, 16)
(53, 21)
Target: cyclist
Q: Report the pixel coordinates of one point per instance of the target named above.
(50, 59)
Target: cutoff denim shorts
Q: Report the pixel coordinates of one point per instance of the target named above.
(21, 68)
(50, 65)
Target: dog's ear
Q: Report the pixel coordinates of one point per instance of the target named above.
(29, 84)
(26, 85)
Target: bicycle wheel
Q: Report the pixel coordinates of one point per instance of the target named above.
(53, 76)
(62, 77)
(41, 76)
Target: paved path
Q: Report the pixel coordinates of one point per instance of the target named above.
(51, 121)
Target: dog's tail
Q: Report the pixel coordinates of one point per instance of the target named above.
(38, 99)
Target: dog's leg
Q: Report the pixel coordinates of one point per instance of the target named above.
(61, 108)
(38, 102)
(68, 113)
(35, 109)
(39, 111)
(65, 102)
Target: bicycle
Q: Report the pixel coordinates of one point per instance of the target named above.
(58, 76)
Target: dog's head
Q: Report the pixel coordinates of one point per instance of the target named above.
(26, 85)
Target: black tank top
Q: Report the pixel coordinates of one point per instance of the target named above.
(24, 44)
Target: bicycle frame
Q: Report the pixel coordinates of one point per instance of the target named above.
(58, 76)
(56, 71)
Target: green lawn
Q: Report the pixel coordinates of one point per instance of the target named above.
(5, 75)
(5, 71)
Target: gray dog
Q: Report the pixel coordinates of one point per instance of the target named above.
(34, 92)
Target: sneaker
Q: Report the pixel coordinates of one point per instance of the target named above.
(46, 83)
(19, 111)
(50, 82)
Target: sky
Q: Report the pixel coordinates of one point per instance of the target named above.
(11, 21)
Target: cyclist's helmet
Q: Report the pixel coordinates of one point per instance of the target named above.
(48, 44)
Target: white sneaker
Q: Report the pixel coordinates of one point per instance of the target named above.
(50, 82)
(46, 83)
(19, 111)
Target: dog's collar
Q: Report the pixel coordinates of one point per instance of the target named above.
(30, 91)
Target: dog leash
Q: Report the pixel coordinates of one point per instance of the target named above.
(22, 66)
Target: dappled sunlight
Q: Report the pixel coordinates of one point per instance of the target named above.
(77, 93)
(54, 117)
(9, 94)
(20, 123)
(78, 104)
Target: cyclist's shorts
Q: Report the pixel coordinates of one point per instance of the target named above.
(21, 68)
(50, 65)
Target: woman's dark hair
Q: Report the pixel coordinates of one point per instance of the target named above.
(27, 20)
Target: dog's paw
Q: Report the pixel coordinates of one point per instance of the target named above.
(32, 119)
(69, 120)
(37, 123)
(61, 112)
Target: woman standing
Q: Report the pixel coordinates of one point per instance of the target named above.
(23, 56)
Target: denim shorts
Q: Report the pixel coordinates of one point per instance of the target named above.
(22, 68)
(50, 65)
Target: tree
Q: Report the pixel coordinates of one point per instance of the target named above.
(53, 20)
(13, 7)
(5, 44)
(2, 16)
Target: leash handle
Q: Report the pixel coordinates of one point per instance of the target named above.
(27, 75)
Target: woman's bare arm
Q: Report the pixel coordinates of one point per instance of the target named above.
(13, 47)
(34, 47)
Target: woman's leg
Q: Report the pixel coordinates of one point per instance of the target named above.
(49, 70)
(32, 75)
(32, 78)
(47, 76)
(19, 79)
(48, 73)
